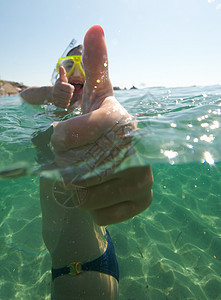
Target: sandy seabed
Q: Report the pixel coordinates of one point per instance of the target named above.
(170, 251)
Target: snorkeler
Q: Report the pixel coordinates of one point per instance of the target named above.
(67, 90)
(132, 187)
(84, 265)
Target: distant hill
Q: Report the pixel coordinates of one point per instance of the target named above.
(8, 88)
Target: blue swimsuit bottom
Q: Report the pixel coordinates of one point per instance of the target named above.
(106, 263)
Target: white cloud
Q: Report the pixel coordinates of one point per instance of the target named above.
(218, 6)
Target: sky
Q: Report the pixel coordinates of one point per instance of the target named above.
(150, 42)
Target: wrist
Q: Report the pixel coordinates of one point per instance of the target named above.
(58, 138)
(48, 93)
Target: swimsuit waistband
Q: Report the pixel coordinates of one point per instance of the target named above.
(106, 263)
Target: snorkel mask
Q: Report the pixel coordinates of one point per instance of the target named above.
(71, 64)
(55, 74)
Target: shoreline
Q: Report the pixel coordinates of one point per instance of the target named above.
(8, 88)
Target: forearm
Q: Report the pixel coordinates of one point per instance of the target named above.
(37, 95)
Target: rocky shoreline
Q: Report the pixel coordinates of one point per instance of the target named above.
(8, 88)
(117, 88)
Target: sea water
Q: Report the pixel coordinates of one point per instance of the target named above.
(170, 251)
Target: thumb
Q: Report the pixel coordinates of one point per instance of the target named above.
(62, 73)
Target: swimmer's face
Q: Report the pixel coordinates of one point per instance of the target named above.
(77, 79)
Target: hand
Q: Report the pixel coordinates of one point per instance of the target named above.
(123, 195)
(119, 197)
(62, 91)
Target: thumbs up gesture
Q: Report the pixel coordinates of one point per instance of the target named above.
(62, 91)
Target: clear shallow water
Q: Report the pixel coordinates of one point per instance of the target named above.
(178, 125)
(170, 251)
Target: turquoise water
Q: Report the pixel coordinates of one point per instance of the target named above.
(170, 251)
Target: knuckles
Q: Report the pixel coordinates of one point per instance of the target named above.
(62, 93)
(62, 87)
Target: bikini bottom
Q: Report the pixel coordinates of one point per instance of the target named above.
(106, 263)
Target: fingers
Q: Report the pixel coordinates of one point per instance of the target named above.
(62, 91)
(112, 193)
(122, 211)
(95, 50)
(95, 62)
(63, 75)
(62, 95)
(126, 198)
(129, 185)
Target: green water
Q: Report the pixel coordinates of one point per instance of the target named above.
(170, 251)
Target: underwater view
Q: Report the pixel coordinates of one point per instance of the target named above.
(172, 250)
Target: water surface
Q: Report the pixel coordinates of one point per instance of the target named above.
(170, 251)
